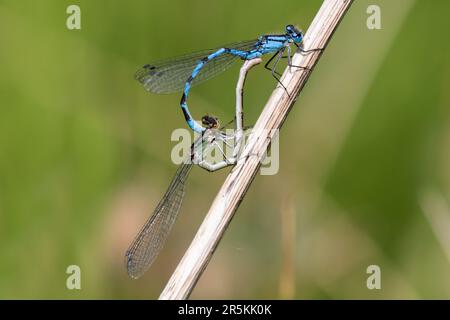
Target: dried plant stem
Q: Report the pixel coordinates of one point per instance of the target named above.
(238, 181)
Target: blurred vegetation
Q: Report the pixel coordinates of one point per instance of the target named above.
(85, 151)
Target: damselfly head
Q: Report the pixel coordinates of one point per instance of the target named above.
(295, 34)
(210, 122)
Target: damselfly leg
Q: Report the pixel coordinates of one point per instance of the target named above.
(279, 55)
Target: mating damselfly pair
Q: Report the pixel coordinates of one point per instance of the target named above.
(180, 74)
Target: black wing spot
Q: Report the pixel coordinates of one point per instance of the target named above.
(149, 67)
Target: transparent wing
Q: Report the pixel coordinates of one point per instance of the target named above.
(170, 75)
(151, 238)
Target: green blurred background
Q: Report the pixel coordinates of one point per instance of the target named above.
(85, 152)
